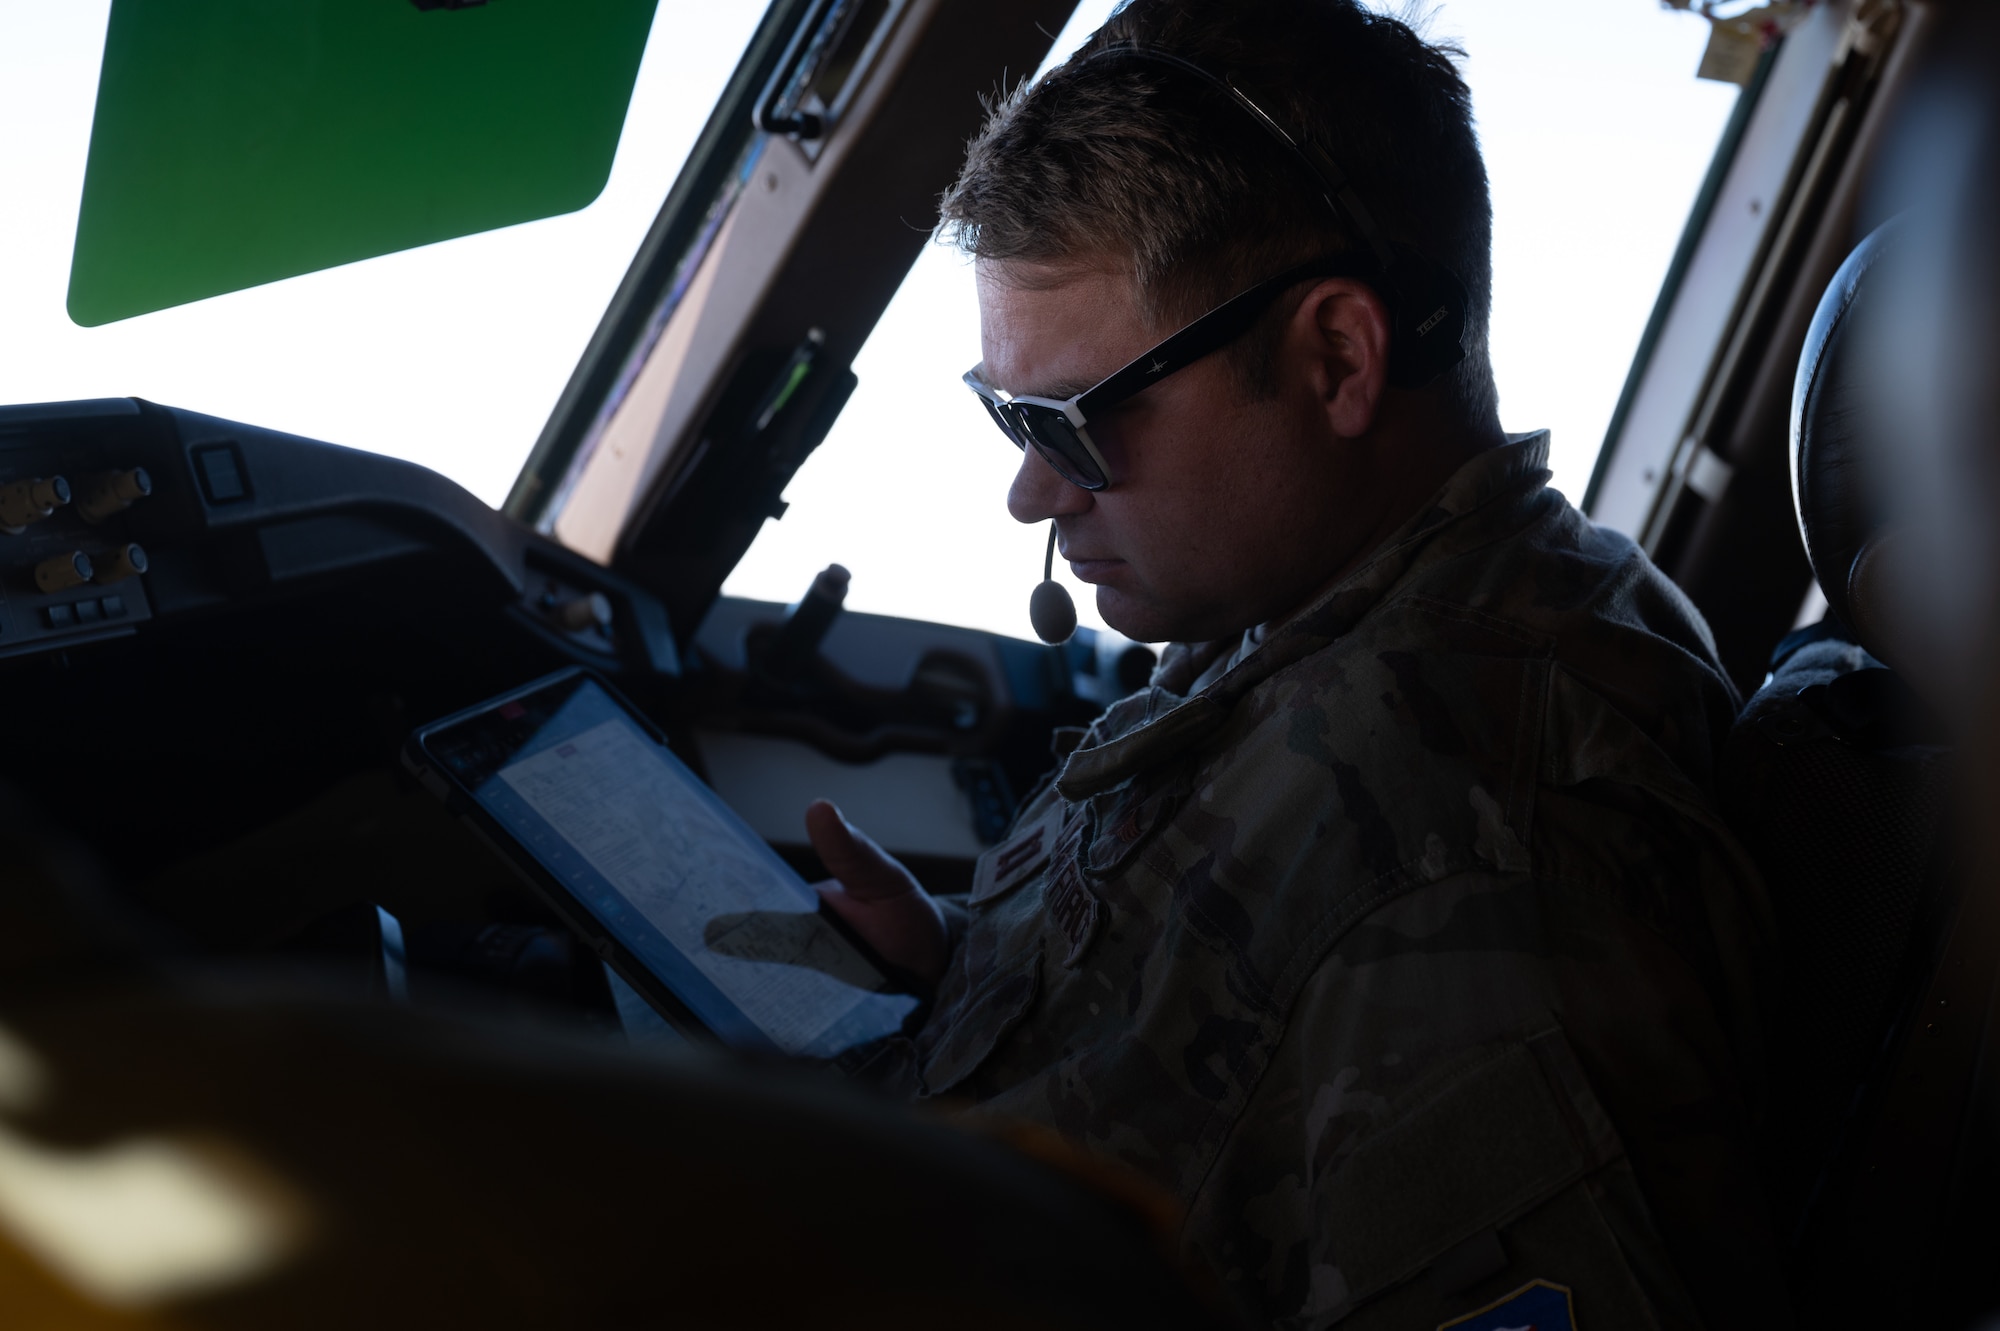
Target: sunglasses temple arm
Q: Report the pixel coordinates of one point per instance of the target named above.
(1177, 352)
(1216, 329)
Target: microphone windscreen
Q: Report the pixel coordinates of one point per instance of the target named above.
(1052, 613)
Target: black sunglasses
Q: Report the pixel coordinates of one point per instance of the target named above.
(1058, 429)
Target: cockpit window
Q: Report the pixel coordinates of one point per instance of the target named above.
(451, 355)
(1597, 136)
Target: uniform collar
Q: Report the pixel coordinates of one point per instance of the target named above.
(1161, 720)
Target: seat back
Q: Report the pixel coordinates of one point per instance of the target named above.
(1847, 830)
(1836, 778)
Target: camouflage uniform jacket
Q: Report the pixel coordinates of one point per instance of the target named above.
(1408, 953)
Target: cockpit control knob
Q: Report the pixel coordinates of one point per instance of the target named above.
(583, 613)
(30, 501)
(111, 492)
(120, 562)
(63, 572)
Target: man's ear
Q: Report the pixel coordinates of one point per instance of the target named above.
(1342, 333)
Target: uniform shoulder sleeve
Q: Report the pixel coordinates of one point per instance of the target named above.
(1449, 1118)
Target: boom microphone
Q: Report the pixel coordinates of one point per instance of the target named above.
(1049, 609)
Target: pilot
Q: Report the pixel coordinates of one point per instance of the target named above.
(1391, 928)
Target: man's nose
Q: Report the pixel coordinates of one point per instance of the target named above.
(1039, 494)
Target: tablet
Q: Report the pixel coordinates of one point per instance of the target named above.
(679, 896)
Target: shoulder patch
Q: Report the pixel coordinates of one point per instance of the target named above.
(1535, 1306)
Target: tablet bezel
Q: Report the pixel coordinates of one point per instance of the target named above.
(436, 777)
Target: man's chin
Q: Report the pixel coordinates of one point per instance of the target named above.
(1136, 617)
(1143, 619)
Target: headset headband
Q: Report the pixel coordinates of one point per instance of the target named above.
(1431, 302)
(1340, 195)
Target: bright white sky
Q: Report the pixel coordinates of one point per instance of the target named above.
(1596, 136)
(451, 355)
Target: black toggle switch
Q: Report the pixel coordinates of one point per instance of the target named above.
(583, 613)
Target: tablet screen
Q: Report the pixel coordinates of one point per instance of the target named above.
(668, 870)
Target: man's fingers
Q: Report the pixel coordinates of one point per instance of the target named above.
(877, 896)
(859, 912)
(865, 870)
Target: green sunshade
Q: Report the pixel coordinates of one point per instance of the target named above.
(238, 142)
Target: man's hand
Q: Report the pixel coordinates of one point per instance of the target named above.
(877, 897)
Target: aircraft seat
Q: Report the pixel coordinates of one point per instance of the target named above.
(1834, 778)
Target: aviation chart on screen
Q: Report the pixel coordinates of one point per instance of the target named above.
(673, 860)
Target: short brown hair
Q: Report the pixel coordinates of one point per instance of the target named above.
(1132, 159)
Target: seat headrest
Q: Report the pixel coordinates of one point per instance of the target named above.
(1840, 505)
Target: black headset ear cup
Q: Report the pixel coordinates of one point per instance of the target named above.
(1430, 321)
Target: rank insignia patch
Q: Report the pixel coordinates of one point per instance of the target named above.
(1535, 1306)
(1014, 861)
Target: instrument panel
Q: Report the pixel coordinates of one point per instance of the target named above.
(117, 512)
(72, 566)
(219, 636)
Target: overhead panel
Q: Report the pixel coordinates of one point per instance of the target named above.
(238, 142)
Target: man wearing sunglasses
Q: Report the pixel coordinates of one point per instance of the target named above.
(1391, 928)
